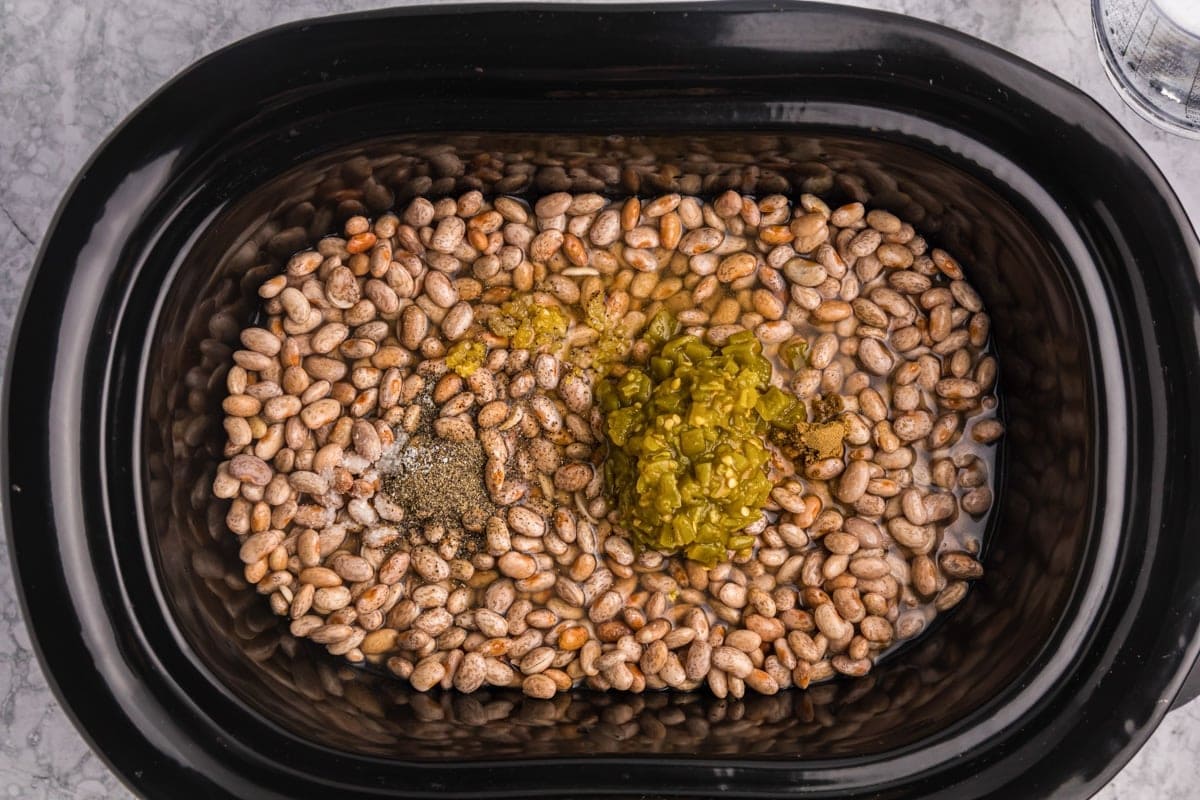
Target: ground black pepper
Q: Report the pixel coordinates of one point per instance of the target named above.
(437, 481)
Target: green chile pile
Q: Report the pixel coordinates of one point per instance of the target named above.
(408, 329)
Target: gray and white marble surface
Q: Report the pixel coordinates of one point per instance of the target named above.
(70, 71)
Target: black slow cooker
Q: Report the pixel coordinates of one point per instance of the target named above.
(1043, 683)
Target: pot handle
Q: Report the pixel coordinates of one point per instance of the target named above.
(1190, 690)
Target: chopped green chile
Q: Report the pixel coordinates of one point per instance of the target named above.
(611, 346)
(466, 357)
(687, 458)
(794, 353)
(529, 324)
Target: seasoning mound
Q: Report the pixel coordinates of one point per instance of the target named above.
(811, 442)
(437, 481)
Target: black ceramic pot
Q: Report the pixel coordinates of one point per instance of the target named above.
(1044, 682)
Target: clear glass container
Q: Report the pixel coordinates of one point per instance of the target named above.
(1151, 51)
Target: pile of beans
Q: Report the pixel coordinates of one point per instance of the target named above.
(541, 590)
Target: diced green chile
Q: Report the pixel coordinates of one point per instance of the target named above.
(687, 459)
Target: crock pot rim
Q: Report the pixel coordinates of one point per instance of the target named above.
(23, 495)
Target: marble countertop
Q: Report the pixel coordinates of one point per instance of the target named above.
(69, 72)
